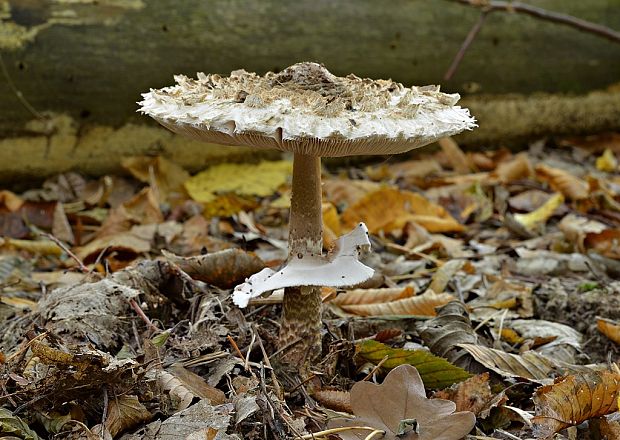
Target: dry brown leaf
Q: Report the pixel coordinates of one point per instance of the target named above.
(605, 243)
(331, 225)
(373, 296)
(141, 209)
(389, 209)
(197, 385)
(610, 429)
(559, 180)
(574, 399)
(449, 328)
(469, 395)
(609, 328)
(458, 160)
(163, 175)
(393, 406)
(334, 399)
(517, 168)
(422, 305)
(223, 269)
(345, 192)
(125, 412)
(444, 275)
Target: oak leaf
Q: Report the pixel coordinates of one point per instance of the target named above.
(400, 408)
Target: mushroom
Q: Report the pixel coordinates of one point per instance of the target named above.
(312, 113)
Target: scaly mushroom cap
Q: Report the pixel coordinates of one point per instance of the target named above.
(305, 109)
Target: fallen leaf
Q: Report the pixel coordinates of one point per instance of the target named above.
(609, 328)
(421, 305)
(400, 409)
(607, 161)
(472, 394)
(458, 160)
(373, 296)
(15, 426)
(389, 209)
(517, 168)
(228, 188)
(436, 372)
(224, 269)
(559, 180)
(450, 327)
(165, 176)
(334, 399)
(345, 192)
(529, 365)
(574, 399)
(539, 217)
(125, 412)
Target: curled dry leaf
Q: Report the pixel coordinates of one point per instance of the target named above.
(373, 296)
(399, 407)
(449, 328)
(572, 187)
(224, 269)
(574, 399)
(458, 160)
(436, 372)
(539, 217)
(421, 305)
(334, 399)
(389, 209)
(529, 365)
(609, 328)
(517, 168)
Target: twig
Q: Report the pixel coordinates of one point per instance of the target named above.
(142, 315)
(235, 347)
(274, 379)
(374, 370)
(247, 356)
(545, 14)
(65, 249)
(466, 43)
(488, 6)
(315, 435)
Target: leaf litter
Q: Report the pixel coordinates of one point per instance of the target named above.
(493, 310)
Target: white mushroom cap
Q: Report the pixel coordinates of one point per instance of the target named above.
(307, 110)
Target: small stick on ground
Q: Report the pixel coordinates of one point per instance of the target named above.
(374, 370)
(235, 347)
(68, 251)
(142, 315)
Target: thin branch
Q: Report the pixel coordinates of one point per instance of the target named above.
(466, 43)
(488, 6)
(545, 14)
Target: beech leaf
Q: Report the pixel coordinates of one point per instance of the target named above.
(400, 408)
(436, 372)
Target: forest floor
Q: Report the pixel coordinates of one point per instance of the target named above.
(495, 277)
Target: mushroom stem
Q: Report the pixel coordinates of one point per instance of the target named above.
(301, 306)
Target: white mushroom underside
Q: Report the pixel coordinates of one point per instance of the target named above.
(343, 268)
(285, 128)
